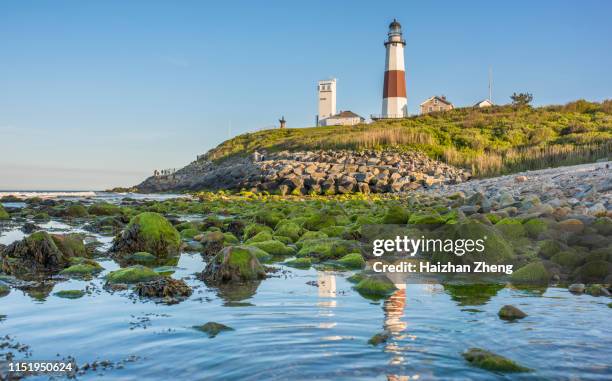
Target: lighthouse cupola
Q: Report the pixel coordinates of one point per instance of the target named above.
(395, 33)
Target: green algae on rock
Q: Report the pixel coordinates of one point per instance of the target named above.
(532, 273)
(299, 263)
(212, 328)
(490, 361)
(352, 261)
(131, 275)
(149, 232)
(4, 214)
(234, 264)
(273, 247)
(375, 287)
(380, 338)
(70, 245)
(510, 312)
(33, 254)
(4, 290)
(70, 294)
(85, 268)
(104, 209)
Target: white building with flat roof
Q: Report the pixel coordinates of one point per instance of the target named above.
(327, 100)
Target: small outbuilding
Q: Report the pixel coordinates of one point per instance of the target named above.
(343, 118)
(484, 103)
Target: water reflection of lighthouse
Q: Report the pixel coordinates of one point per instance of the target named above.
(326, 282)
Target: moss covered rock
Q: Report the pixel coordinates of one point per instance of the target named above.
(4, 290)
(375, 287)
(3, 213)
(567, 259)
(549, 248)
(260, 237)
(510, 312)
(82, 270)
(289, 229)
(234, 264)
(132, 275)
(352, 261)
(300, 263)
(396, 215)
(33, 254)
(327, 248)
(490, 361)
(149, 232)
(212, 328)
(253, 229)
(141, 257)
(189, 233)
(593, 272)
(532, 273)
(70, 294)
(511, 228)
(535, 227)
(70, 244)
(603, 225)
(269, 218)
(273, 247)
(76, 211)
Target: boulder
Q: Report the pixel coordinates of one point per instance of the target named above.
(234, 264)
(171, 290)
(490, 361)
(149, 232)
(34, 254)
(510, 312)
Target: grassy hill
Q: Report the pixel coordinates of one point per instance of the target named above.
(489, 141)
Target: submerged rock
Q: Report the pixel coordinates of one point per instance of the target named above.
(212, 328)
(149, 232)
(510, 312)
(70, 294)
(171, 290)
(577, 288)
(33, 254)
(234, 264)
(380, 338)
(491, 361)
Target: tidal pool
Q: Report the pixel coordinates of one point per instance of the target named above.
(304, 324)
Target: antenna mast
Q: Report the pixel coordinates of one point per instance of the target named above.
(490, 85)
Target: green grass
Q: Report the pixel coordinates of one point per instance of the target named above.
(489, 141)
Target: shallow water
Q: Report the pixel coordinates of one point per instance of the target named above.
(308, 324)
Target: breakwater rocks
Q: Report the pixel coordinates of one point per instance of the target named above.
(322, 172)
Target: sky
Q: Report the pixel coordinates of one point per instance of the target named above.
(98, 94)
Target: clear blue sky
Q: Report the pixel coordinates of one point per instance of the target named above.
(95, 94)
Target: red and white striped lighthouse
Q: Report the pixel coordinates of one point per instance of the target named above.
(394, 88)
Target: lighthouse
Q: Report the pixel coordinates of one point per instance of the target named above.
(394, 88)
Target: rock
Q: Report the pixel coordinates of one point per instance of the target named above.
(273, 247)
(396, 215)
(132, 275)
(532, 273)
(212, 243)
(234, 264)
(597, 290)
(510, 312)
(289, 229)
(4, 214)
(352, 261)
(593, 272)
(70, 294)
(490, 361)
(82, 268)
(71, 245)
(576, 288)
(33, 254)
(76, 211)
(171, 290)
(571, 225)
(380, 338)
(4, 290)
(327, 248)
(104, 209)
(299, 263)
(29, 228)
(520, 179)
(149, 232)
(375, 287)
(212, 328)
(142, 257)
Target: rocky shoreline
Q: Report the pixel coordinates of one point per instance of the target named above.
(305, 172)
